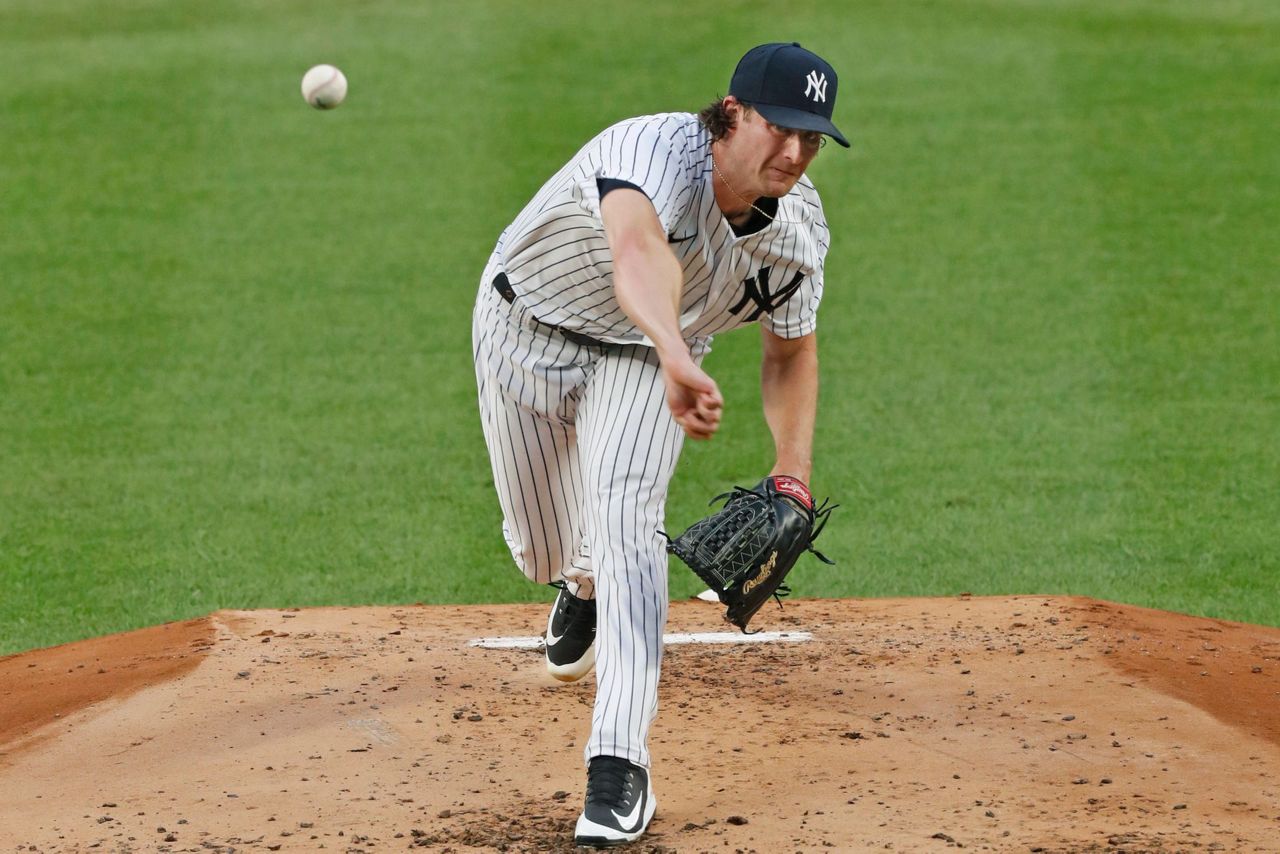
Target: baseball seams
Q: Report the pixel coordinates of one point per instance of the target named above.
(319, 79)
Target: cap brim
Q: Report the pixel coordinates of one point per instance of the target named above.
(789, 117)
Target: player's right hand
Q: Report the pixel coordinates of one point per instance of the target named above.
(693, 398)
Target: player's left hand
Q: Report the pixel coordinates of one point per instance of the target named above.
(744, 551)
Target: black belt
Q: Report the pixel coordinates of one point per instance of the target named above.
(502, 285)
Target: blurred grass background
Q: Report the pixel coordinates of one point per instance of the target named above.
(235, 365)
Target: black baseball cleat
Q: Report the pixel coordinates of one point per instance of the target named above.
(571, 637)
(620, 804)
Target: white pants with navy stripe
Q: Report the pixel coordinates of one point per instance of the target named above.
(583, 448)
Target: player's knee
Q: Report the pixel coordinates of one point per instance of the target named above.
(536, 566)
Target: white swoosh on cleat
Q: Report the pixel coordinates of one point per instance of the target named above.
(631, 823)
(552, 639)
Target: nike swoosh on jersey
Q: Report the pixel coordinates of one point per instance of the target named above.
(631, 823)
(671, 238)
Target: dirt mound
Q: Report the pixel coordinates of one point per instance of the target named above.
(1024, 723)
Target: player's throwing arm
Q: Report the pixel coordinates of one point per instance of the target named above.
(648, 282)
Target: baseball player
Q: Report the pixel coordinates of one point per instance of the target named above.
(594, 313)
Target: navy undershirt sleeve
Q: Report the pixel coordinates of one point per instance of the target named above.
(607, 185)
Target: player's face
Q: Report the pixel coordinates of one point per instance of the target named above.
(773, 157)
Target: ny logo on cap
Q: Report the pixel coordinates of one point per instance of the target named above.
(817, 85)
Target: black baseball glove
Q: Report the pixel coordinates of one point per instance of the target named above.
(744, 551)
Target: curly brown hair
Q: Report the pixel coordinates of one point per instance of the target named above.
(716, 119)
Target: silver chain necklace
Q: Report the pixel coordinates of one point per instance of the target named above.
(741, 198)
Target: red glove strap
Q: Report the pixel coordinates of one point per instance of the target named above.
(794, 488)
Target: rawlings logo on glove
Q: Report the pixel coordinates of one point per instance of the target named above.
(762, 576)
(744, 551)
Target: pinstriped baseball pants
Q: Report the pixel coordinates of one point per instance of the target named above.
(583, 448)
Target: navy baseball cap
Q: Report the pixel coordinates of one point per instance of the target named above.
(789, 86)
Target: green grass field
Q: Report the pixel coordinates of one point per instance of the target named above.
(235, 365)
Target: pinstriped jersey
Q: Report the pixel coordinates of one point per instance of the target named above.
(558, 261)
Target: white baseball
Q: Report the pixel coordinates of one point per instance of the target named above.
(324, 87)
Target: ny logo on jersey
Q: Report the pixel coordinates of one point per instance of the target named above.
(816, 85)
(756, 290)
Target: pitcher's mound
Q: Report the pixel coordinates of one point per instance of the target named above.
(996, 724)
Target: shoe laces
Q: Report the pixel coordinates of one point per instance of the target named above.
(575, 608)
(607, 781)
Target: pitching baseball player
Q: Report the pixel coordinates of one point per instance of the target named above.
(594, 313)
